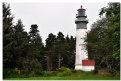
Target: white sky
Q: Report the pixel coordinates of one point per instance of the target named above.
(54, 17)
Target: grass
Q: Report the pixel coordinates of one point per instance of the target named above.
(71, 76)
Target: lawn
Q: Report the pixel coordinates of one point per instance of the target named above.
(71, 76)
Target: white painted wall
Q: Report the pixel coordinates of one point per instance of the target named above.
(81, 32)
(88, 68)
(81, 52)
(78, 67)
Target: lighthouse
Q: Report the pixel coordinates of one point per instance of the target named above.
(81, 60)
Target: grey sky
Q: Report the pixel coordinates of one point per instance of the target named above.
(54, 17)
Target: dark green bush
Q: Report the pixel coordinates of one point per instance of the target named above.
(10, 73)
(52, 73)
(44, 73)
(64, 73)
(61, 69)
(95, 71)
(73, 71)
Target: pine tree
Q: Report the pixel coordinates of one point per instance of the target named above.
(33, 33)
(69, 52)
(7, 37)
(60, 47)
(51, 51)
(35, 48)
(20, 42)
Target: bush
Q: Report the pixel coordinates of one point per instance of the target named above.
(73, 71)
(6, 73)
(17, 71)
(95, 71)
(61, 69)
(10, 73)
(48, 73)
(52, 73)
(64, 73)
(103, 71)
(32, 68)
(45, 73)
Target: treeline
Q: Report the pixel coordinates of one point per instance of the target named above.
(25, 52)
(103, 41)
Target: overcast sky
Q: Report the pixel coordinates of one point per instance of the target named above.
(54, 17)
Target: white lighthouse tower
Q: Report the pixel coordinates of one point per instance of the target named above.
(81, 61)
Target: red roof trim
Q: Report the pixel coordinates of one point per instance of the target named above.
(88, 62)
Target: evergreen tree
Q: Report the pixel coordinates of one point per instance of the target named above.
(7, 37)
(35, 47)
(72, 45)
(60, 47)
(20, 42)
(60, 51)
(33, 33)
(51, 51)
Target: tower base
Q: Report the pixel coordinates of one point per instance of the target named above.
(87, 65)
(88, 68)
(84, 68)
(78, 67)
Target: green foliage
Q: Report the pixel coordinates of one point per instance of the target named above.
(62, 69)
(27, 52)
(113, 34)
(36, 67)
(50, 50)
(104, 39)
(48, 73)
(7, 36)
(12, 73)
(103, 71)
(52, 73)
(65, 73)
(79, 75)
(18, 50)
(60, 51)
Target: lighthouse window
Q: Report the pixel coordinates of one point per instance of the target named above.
(81, 25)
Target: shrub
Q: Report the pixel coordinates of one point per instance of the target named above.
(64, 73)
(103, 71)
(61, 69)
(95, 71)
(52, 73)
(10, 73)
(73, 71)
(36, 66)
(17, 71)
(32, 73)
(48, 73)
(45, 73)
(6, 73)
